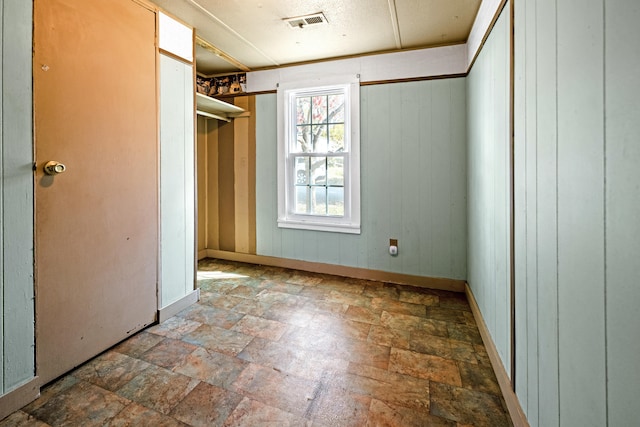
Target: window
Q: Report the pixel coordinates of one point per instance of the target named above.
(318, 155)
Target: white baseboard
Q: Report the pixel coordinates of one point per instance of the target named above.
(176, 307)
(513, 404)
(19, 397)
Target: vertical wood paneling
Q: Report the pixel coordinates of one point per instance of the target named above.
(622, 156)
(425, 125)
(488, 204)
(544, 352)
(177, 180)
(375, 172)
(407, 193)
(16, 197)
(267, 242)
(502, 197)
(409, 221)
(579, 91)
(581, 214)
(458, 180)
(213, 192)
(2, 286)
(440, 184)
(530, 311)
(241, 178)
(521, 32)
(251, 107)
(202, 186)
(226, 187)
(395, 146)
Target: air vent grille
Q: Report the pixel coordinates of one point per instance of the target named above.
(304, 21)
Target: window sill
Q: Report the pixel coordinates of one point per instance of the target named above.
(318, 226)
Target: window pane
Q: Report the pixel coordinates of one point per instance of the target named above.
(303, 139)
(336, 138)
(336, 201)
(336, 108)
(302, 200)
(319, 200)
(320, 139)
(302, 170)
(319, 109)
(318, 171)
(303, 110)
(335, 166)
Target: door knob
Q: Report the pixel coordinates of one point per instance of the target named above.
(54, 168)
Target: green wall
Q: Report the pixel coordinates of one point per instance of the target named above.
(17, 362)
(489, 206)
(577, 235)
(413, 184)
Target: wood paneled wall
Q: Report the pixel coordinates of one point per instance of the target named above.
(229, 158)
(489, 202)
(413, 174)
(17, 364)
(577, 207)
(177, 181)
(202, 184)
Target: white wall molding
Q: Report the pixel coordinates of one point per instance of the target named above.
(176, 307)
(19, 397)
(485, 18)
(410, 64)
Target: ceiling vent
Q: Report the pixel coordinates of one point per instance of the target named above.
(304, 21)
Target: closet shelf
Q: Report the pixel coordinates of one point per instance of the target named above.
(216, 109)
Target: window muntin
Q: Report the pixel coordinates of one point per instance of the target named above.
(318, 179)
(318, 160)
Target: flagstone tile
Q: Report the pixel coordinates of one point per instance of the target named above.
(138, 344)
(259, 327)
(286, 392)
(383, 414)
(424, 366)
(139, 416)
(82, 404)
(468, 406)
(218, 339)
(213, 316)
(158, 388)
(251, 413)
(175, 327)
(111, 370)
(168, 353)
(22, 419)
(268, 346)
(211, 367)
(206, 406)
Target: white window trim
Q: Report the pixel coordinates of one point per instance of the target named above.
(350, 223)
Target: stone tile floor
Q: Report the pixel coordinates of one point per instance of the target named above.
(269, 346)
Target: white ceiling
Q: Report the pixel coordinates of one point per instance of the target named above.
(252, 34)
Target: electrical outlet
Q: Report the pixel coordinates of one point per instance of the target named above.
(393, 247)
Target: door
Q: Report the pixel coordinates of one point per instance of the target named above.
(94, 73)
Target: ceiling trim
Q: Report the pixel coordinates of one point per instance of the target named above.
(394, 23)
(406, 64)
(220, 53)
(232, 31)
(483, 24)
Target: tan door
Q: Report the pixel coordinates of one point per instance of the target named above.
(97, 222)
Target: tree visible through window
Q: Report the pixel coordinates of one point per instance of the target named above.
(318, 154)
(318, 160)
